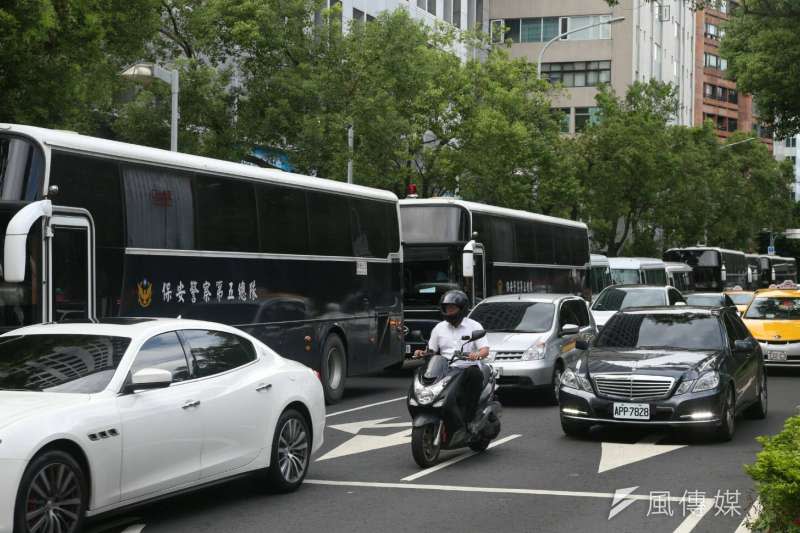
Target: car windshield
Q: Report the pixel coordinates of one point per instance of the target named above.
(682, 331)
(709, 300)
(520, 317)
(741, 298)
(81, 364)
(614, 299)
(625, 276)
(775, 308)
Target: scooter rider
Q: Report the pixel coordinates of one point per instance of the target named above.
(446, 338)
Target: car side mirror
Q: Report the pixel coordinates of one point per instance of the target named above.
(570, 329)
(743, 345)
(582, 344)
(149, 378)
(477, 334)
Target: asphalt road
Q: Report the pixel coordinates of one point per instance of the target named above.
(534, 479)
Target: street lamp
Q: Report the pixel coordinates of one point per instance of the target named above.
(738, 142)
(561, 35)
(147, 72)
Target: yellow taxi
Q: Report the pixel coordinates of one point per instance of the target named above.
(773, 318)
(741, 298)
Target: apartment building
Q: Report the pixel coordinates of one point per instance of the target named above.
(654, 41)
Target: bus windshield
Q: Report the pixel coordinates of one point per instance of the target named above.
(433, 223)
(625, 276)
(429, 272)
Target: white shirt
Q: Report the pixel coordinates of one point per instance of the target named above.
(446, 339)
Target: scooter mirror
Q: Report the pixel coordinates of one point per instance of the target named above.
(477, 334)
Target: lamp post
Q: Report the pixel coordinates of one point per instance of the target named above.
(147, 72)
(561, 35)
(738, 142)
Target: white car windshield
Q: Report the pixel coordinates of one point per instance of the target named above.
(81, 364)
(614, 299)
(517, 317)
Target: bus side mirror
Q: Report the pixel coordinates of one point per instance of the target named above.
(468, 260)
(15, 253)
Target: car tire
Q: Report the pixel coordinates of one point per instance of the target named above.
(725, 430)
(333, 369)
(759, 409)
(58, 476)
(555, 383)
(422, 448)
(291, 453)
(575, 428)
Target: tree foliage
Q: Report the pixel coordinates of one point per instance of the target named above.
(762, 46)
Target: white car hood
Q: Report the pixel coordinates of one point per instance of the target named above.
(16, 405)
(513, 342)
(601, 317)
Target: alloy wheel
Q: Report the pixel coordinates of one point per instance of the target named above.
(293, 450)
(53, 501)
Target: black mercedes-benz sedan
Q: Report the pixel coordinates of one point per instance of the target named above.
(670, 366)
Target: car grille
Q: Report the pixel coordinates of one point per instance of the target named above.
(508, 356)
(632, 386)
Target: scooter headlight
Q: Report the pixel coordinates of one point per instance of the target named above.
(427, 394)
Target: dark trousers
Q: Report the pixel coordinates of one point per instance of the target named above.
(470, 392)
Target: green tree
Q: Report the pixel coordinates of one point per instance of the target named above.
(762, 46)
(60, 61)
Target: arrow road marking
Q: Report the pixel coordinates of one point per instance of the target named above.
(367, 443)
(614, 455)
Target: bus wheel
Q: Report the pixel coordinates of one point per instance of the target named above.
(333, 369)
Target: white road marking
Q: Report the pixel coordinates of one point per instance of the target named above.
(751, 516)
(455, 460)
(483, 490)
(693, 518)
(614, 455)
(367, 443)
(365, 407)
(621, 502)
(355, 427)
(137, 528)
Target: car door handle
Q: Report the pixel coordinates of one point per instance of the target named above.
(191, 403)
(263, 387)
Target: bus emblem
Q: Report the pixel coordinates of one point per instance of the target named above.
(145, 292)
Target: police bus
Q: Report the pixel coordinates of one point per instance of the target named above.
(776, 269)
(713, 269)
(96, 228)
(485, 251)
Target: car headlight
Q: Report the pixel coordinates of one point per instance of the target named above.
(535, 352)
(571, 380)
(708, 381)
(426, 395)
(684, 387)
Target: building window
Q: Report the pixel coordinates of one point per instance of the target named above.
(432, 7)
(792, 158)
(562, 115)
(578, 73)
(713, 31)
(601, 31)
(359, 15)
(542, 29)
(791, 142)
(585, 116)
(714, 61)
(722, 123)
(723, 94)
(457, 13)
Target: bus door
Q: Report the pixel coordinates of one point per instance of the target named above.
(479, 279)
(69, 249)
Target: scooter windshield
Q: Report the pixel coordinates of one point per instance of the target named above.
(437, 368)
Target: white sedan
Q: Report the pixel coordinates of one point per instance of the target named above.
(95, 417)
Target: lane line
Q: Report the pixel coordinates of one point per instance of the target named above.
(691, 521)
(134, 529)
(483, 490)
(456, 459)
(751, 516)
(365, 407)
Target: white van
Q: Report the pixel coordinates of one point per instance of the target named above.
(638, 271)
(599, 274)
(679, 275)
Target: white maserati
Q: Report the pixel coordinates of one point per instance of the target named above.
(95, 417)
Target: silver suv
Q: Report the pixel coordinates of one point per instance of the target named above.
(532, 337)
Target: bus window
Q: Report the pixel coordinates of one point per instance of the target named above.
(225, 215)
(371, 239)
(158, 208)
(21, 169)
(329, 224)
(283, 219)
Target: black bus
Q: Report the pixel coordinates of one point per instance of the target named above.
(486, 251)
(96, 228)
(713, 269)
(776, 269)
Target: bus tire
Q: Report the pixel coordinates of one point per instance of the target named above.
(333, 368)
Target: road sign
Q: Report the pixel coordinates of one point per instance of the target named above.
(770, 250)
